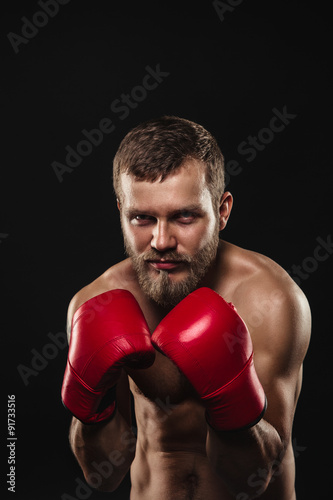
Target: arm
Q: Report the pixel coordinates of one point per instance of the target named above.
(280, 344)
(108, 448)
(108, 332)
(239, 455)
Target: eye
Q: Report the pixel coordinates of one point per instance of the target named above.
(186, 217)
(142, 219)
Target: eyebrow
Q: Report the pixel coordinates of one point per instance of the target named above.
(131, 211)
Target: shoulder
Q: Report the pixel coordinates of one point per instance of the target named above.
(118, 276)
(268, 287)
(274, 308)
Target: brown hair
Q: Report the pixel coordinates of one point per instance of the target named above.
(158, 147)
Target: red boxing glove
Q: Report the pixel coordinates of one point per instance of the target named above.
(209, 342)
(109, 331)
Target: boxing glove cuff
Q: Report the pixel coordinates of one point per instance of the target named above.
(238, 405)
(83, 401)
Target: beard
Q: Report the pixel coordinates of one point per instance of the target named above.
(160, 288)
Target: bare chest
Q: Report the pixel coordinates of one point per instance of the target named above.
(162, 383)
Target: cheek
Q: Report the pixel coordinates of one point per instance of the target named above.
(137, 239)
(197, 237)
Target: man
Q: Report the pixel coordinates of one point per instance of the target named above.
(176, 324)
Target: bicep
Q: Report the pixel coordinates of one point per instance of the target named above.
(282, 393)
(280, 346)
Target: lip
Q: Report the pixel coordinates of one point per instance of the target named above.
(164, 264)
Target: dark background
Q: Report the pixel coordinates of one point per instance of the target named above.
(227, 74)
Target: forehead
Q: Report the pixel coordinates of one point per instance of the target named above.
(187, 186)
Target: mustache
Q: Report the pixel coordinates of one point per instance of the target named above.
(169, 256)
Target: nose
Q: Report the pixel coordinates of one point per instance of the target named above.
(163, 238)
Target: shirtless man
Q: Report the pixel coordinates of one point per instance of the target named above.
(204, 431)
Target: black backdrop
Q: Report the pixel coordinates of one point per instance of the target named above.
(231, 66)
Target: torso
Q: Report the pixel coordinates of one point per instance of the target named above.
(170, 460)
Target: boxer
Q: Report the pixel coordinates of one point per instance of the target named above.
(208, 337)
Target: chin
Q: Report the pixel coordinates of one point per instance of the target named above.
(173, 277)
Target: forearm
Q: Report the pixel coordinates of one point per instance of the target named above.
(235, 456)
(104, 451)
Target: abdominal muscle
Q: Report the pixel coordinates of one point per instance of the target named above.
(170, 459)
(173, 475)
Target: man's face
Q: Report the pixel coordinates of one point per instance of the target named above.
(171, 232)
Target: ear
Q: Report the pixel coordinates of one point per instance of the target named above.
(225, 209)
(118, 204)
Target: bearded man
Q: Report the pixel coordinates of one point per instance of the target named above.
(208, 337)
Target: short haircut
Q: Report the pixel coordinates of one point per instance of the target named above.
(157, 148)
